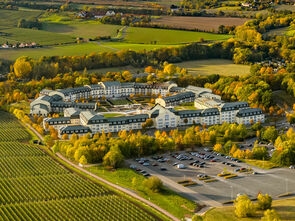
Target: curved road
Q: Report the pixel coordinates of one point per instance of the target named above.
(134, 195)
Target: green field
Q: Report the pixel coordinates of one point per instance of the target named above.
(33, 186)
(10, 18)
(285, 208)
(14, 35)
(164, 36)
(113, 115)
(73, 49)
(214, 66)
(166, 199)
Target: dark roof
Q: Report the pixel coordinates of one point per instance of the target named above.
(155, 114)
(78, 129)
(210, 111)
(188, 113)
(112, 83)
(179, 96)
(128, 119)
(249, 112)
(234, 105)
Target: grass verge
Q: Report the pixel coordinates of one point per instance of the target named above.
(166, 199)
(263, 164)
(285, 208)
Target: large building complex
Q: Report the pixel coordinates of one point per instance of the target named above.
(81, 118)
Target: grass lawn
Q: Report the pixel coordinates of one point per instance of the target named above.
(285, 208)
(164, 36)
(113, 115)
(167, 199)
(117, 69)
(73, 49)
(261, 164)
(214, 66)
(10, 18)
(13, 35)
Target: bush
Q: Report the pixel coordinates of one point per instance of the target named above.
(271, 215)
(244, 207)
(197, 218)
(153, 183)
(264, 201)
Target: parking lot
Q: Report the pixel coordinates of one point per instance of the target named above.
(179, 167)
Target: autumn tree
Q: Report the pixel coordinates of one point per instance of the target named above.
(244, 207)
(264, 201)
(23, 67)
(113, 158)
(153, 183)
(271, 215)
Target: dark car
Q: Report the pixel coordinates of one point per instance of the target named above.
(163, 169)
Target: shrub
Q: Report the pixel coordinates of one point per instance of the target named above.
(153, 183)
(230, 176)
(197, 218)
(264, 201)
(244, 207)
(271, 215)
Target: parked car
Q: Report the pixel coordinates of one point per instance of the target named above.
(146, 164)
(146, 174)
(237, 170)
(154, 164)
(132, 167)
(163, 169)
(181, 166)
(292, 167)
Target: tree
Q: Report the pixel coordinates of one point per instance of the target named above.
(22, 67)
(244, 207)
(65, 137)
(270, 134)
(113, 158)
(197, 218)
(218, 148)
(48, 141)
(264, 201)
(149, 123)
(271, 215)
(83, 160)
(153, 183)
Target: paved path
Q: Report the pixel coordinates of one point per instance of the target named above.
(119, 188)
(134, 195)
(180, 189)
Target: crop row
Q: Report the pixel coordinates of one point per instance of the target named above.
(18, 149)
(86, 208)
(28, 166)
(47, 187)
(14, 134)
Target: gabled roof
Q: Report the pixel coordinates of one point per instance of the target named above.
(234, 105)
(111, 83)
(75, 129)
(249, 112)
(179, 96)
(210, 111)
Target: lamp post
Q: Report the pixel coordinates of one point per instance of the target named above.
(232, 192)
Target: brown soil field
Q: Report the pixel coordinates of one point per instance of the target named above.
(201, 23)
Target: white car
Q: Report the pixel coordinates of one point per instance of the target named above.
(292, 167)
(181, 166)
(146, 164)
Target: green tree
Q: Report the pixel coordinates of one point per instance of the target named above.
(153, 183)
(270, 134)
(114, 157)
